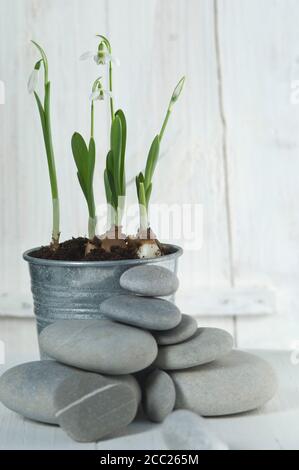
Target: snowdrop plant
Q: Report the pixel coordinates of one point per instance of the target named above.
(45, 118)
(84, 156)
(114, 175)
(149, 247)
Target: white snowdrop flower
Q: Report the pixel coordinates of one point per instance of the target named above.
(87, 55)
(100, 94)
(103, 58)
(111, 58)
(33, 81)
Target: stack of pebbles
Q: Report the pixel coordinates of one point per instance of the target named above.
(143, 352)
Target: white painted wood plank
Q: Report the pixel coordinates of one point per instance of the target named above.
(259, 59)
(20, 340)
(227, 302)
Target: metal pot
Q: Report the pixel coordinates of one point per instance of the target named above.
(75, 289)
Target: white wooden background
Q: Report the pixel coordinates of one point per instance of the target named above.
(232, 144)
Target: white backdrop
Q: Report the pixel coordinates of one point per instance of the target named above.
(232, 144)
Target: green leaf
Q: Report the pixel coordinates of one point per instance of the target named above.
(142, 197)
(109, 161)
(80, 153)
(137, 186)
(82, 185)
(107, 188)
(116, 147)
(152, 161)
(91, 159)
(148, 194)
(85, 161)
(90, 174)
(114, 195)
(122, 118)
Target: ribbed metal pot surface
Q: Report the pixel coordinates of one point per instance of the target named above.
(75, 289)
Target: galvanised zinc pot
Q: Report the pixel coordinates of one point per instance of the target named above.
(75, 289)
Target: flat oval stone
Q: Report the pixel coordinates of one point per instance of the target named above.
(147, 313)
(99, 346)
(185, 329)
(205, 346)
(150, 280)
(88, 410)
(31, 389)
(236, 383)
(158, 396)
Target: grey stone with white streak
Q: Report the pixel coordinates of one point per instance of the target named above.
(150, 280)
(90, 408)
(31, 389)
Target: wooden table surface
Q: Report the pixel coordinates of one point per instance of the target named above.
(276, 426)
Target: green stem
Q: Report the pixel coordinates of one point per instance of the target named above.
(92, 223)
(46, 126)
(111, 90)
(143, 213)
(52, 167)
(92, 220)
(165, 123)
(92, 120)
(56, 218)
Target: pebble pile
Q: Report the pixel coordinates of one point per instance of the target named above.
(144, 355)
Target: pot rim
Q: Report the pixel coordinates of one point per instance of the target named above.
(178, 251)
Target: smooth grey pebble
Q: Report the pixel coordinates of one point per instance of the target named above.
(29, 389)
(143, 312)
(236, 383)
(158, 396)
(150, 280)
(99, 346)
(185, 330)
(206, 345)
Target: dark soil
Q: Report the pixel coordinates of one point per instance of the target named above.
(74, 250)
